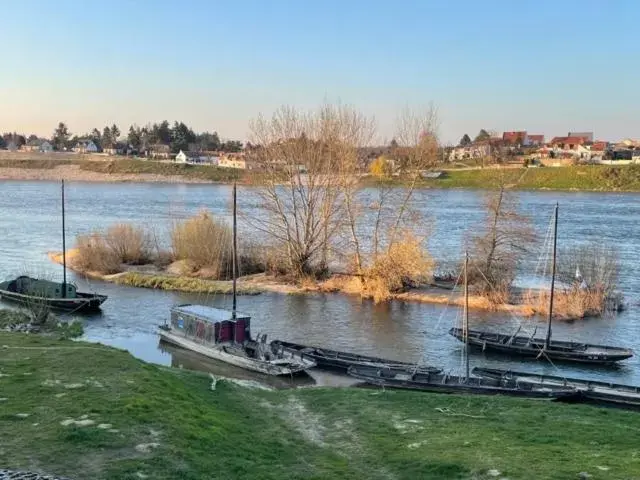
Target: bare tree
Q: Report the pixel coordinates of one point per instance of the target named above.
(301, 159)
(498, 247)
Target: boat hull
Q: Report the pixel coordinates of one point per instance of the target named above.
(217, 352)
(341, 361)
(438, 383)
(534, 348)
(591, 391)
(83, 302)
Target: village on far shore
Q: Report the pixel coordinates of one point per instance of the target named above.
(486, 149)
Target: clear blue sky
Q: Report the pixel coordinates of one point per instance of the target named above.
(545, 66)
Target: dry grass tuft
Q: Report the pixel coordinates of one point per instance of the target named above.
(95, 255)
(404, 264)
(130, 244)
(205, 242)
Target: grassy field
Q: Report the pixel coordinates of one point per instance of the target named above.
(181, 284)
(131, 166)
(596, 177)
(37, 163)
(92, 412)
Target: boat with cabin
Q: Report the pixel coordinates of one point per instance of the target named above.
(412, 379)
(341, 361)
(547, 349)
(592, 391)
(39, 295)
(225, 335)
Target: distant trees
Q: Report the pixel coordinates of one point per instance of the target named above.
(482, 135)
(14, 140)
(61, 136)
(134, 137)
(465, 140)
(181, 137)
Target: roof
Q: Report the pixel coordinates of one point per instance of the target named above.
(205, 312)
(511, 136)
(570, 140)
(36, 142)
(160, 147)
(536, 137)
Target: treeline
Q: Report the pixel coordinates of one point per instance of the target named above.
(178, 137)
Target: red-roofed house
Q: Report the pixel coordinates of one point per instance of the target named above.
(514, 138)
(535, 140)
(567, 143)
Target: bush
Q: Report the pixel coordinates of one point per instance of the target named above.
(204, 242)
(95, 255)
(405, 264)
(130, 244)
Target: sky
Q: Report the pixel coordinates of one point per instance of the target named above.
(543, 66)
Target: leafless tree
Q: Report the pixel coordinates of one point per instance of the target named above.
(498, 247)
(301, 160)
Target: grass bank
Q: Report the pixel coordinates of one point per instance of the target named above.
(115, 417)
(588, 178)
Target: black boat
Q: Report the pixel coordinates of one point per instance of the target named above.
(406, 378)
(40, 295)
(544, 349)
(341, 361)
(592, 391)
(409, 378)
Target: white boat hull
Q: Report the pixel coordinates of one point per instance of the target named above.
(290, 365)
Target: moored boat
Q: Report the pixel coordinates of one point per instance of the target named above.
(225, 335)
(555, 350)
(544, 349)
(40, 295)
(341, 361)
(406, 378)
(590, 390)
(44, 294)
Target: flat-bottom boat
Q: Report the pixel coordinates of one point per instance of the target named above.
(224, 335)
(34, 294)
(406, 378)
(590, 390)
(341, 361)
(557, 350)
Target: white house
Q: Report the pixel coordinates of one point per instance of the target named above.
(475, 150)
(85, 146)
(37, 145)
(46, 147)
(182, 157)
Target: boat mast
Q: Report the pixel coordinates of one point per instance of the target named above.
(553, 277)
(64, 251)
(234, 261)
(466, 314)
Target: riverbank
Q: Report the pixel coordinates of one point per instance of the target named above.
(117, 170)
(599, 178)
(116, 417)
(149, 276)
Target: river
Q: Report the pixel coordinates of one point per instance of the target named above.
(30, 224)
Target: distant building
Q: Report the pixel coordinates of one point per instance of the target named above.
(117, 149)
(535, 140)
(85, 146)
(588, 136)
(514, 138)
(210, 158)
(37, 145)
(160, 151)
(475, 150)
(233, 160)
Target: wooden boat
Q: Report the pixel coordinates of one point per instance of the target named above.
(545, 349)
(555, 350)
(40, 295)
(225, 335)
(406, 378)
(590, 390)
(341, 361)
(410, 378)
(43, 294)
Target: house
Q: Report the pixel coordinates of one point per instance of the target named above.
(233, 160)
(475, 150)
(37, 145)
(569, 147)
(159, 151)
(534, 140)
(514, 138)
(117, 149)
(85, 146)
(587, 136)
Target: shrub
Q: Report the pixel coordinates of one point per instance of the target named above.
(205, 242)
(405, 264)
(130, 244)
(95, 255)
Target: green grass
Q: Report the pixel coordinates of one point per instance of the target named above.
(594, 178)
(181, 284)
(132, 166)
(235, 432)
